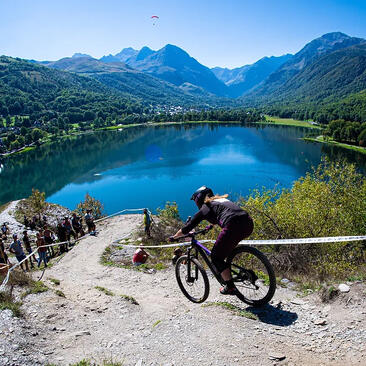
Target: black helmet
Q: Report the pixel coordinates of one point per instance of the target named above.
(200, 195)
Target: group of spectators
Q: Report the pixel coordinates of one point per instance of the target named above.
(44, 239)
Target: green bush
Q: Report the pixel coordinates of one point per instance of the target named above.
(329, 201)
(37, 201)
(169, 212)
(90, 203)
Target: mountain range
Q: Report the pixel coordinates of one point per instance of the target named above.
(325, 70)
(284, 82)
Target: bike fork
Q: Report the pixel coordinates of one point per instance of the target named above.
(191, 278)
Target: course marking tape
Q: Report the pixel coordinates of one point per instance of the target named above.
(330, 239)
(6, 279)
(246, 242)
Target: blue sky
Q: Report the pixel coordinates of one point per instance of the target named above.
(226, 33)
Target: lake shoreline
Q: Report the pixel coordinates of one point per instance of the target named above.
(320, 140)
(283, 122)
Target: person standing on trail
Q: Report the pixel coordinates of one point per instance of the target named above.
(48, 238)
(4, 231)
(28, 247)
(89, 220)
(17, 249)
(69, 231)
(236, 225)
(3, 256)
(62, 237)
(76, 224)
(147, 222)
(42, 250)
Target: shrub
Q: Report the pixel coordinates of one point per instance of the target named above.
(329, 201)
(7, 302)
(37, 201)
(90, 203)
(169, 212)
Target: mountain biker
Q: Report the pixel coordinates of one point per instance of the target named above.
(236, 225)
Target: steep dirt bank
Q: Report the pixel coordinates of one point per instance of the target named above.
(165, 328)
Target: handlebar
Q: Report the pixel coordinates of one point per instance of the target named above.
(191, 234)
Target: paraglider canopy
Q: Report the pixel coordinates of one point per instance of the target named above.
(154, 19)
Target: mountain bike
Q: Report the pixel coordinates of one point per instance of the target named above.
(251, 271)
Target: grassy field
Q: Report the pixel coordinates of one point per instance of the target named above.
(289, 122)
(321, 140)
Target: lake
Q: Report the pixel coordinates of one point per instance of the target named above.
(147, 166)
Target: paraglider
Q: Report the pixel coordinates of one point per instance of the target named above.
(154, 19)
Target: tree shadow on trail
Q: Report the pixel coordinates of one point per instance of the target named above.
(273, 315)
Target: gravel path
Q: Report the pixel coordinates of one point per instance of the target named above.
(8, 217)
(165, 328)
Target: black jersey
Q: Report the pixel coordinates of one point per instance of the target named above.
(219, 211)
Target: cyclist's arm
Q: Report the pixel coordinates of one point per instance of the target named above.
(196, 219)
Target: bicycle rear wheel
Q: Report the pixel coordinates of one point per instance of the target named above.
(253, 275)
(194, 283)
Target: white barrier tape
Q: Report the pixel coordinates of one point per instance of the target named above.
(122, 211)
(6, 279)
(330, 239)
(2, 286)
(152, 246)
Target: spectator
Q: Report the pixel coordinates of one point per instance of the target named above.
(48, 238)
(42, 250)
(177, 253)
(76, 225)
(69, 231)
(5, 231)
(17, 249)
(26, 221)
(89, 220)
(33, 223)
(140, 257)
(62, 237)
(28, 247)
(3, 256)
(147, 222)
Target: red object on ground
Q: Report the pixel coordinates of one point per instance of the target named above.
(140, 256)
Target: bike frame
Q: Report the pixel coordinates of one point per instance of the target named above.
(197, 247)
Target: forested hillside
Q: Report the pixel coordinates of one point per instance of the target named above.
(133, 83)
(39, 92)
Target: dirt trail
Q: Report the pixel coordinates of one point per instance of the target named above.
(166, 329)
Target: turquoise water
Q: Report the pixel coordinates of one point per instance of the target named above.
(145, 167)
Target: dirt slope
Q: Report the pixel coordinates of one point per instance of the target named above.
(166, 329)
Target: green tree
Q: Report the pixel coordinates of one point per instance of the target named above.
(90, 203)
(36, 134)
(24, 130)
(37, 201)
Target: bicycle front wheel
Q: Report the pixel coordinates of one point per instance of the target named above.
(192, 279)
(253, 275)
